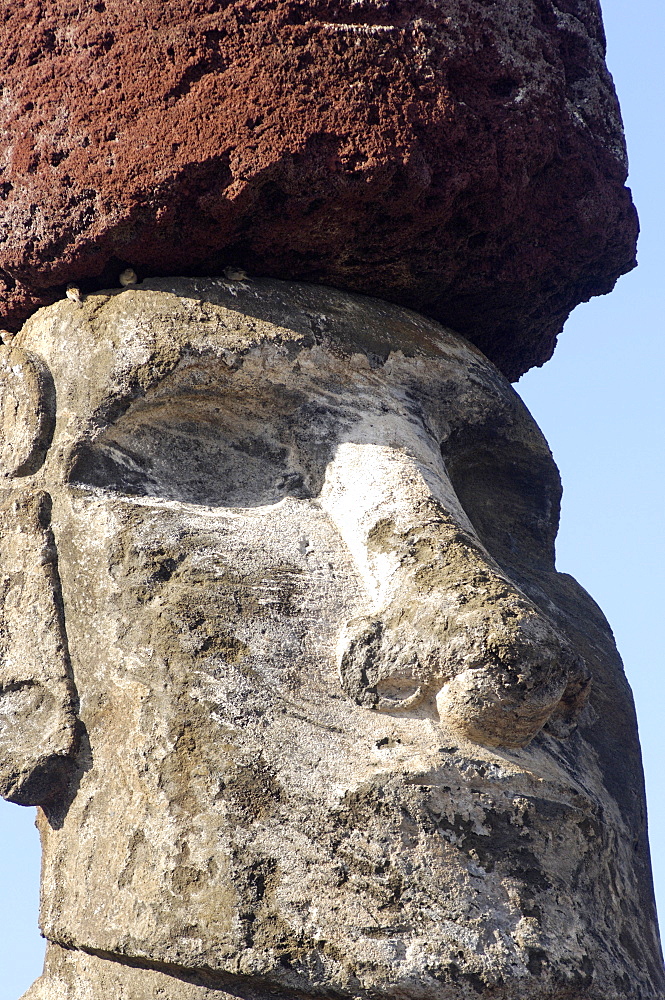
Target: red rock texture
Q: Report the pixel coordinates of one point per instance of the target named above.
(463, 157)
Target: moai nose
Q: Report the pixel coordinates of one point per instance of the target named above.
(509, 671)
(445, 623)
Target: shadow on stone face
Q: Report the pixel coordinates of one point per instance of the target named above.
(60, 797)
(253, 822)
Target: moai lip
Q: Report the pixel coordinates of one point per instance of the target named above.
(339, 728)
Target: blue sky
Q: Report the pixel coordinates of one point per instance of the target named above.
(601, 405)
(600, 402)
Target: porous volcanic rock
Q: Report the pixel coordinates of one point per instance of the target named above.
(463, 158)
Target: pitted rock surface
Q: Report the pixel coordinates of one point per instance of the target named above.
(463, 158)
(245, 477)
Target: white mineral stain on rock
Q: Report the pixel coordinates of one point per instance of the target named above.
(330, 689)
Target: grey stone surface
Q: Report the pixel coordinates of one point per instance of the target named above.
(342, 729)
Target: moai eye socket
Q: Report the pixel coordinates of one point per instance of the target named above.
(232, 446)
(206, 458)
(510, 490)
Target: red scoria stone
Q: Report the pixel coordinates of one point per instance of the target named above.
(462, 157)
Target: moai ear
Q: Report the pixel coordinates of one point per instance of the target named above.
(27, 397)
(38, 723)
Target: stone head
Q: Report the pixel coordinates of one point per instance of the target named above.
(287, 662)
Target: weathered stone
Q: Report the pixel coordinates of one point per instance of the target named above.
(75, 975)
(463, 158)
(27, 413)
(38, 732)
(336, 732)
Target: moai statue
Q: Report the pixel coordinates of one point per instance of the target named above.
(287, 665)
(285, 661)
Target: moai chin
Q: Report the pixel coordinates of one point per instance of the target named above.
(287, 665)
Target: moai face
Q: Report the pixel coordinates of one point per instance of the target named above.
(316, 700)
